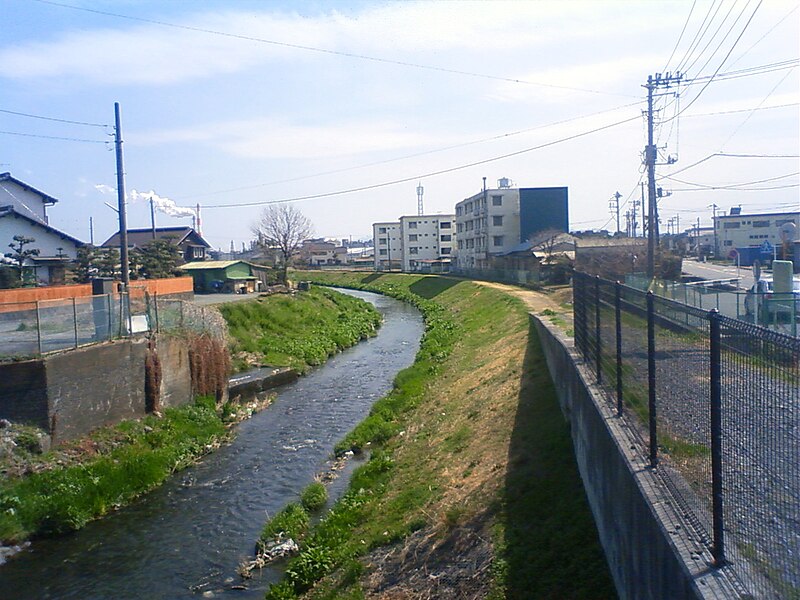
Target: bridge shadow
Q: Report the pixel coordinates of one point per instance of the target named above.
(551, 547)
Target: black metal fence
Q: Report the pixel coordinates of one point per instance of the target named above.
(716, 402)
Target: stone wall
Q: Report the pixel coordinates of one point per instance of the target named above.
(176, 378)
(652, 552)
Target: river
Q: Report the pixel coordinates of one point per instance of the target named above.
(185, 539)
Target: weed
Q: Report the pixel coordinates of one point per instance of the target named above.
(292, 521)
(314, 496)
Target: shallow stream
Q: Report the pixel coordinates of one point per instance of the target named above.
(185, 539)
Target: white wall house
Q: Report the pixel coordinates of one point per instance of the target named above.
(388, 245)
(742, 230)
(25, 199)
(426, 238)
(486, 224)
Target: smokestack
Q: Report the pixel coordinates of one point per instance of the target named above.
(198, 223)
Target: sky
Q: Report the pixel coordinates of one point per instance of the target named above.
(343, 108)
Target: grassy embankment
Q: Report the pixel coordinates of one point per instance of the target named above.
(298, 331)
(82, 480)
(471, 464)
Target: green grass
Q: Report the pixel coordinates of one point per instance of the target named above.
(148, 451)
(314, 496)
(418, 432)
(298, 331)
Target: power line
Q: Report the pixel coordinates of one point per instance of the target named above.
(728, 155)
(757, 189)
(733, 185)
(680, 37)
(741, 33)
(389, 61)
(741, 110)
(430, 174)
(759, 40)
(53, 137)
(407, 156)
(701, 31)
(722, 41)
(21, 114)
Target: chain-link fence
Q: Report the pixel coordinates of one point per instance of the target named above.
(35, 328)
(716, 401)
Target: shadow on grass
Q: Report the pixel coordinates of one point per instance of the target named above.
(371, 277)
(432, 286)
(551, 547)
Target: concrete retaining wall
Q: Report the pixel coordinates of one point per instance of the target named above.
(651, 551)
(69, 394)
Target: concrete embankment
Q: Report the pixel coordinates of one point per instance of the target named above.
(652, 551)
(250, 384)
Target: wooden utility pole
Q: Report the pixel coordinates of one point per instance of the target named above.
(123, 224)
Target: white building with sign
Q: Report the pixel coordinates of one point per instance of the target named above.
(738, 230)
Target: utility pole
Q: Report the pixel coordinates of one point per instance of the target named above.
(614, 206)
(650, 157)
(91, 231)
(153, 216)
(714, 225)
(123, 224)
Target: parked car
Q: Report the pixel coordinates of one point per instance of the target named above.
(762, 295)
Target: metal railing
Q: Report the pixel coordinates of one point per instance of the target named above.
(716, 403)
(34, 328)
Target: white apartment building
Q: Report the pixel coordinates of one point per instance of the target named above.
(426, 238)
(486, 223)
(738, 230)
(388, 243)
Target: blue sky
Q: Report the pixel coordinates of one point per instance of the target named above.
(238, 114)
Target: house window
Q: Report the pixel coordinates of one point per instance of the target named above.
(447, 238)
(382, 252)
(197, 252)
(445, 250)
(497, 220)
(497, 240)
(381, 229)
(412, 237)
(760, 223)
(445, 224)
(412, 224)
(413, 250)
(497, 201)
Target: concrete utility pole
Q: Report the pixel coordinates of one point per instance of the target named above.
(153, 216)
(123, 223)
(614, 206)
(650, 156)
(713, 208)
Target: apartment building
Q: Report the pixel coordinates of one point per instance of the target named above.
(495, 221)
(426, 239)
(388, 243)
(737, 230)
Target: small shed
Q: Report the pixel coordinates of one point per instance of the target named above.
(228, 276)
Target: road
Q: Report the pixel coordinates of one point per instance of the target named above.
(713, 271)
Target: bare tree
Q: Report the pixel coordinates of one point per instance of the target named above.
(284, 227)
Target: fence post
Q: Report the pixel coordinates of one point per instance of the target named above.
(651, 378)
(155, 311)
(618, 315)
(110, 312)
(598, 343)
(181, 319)
(38, 328)
(718, 549)
(75, 320)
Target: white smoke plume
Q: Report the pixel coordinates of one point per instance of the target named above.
(105, 189)
(164, 205)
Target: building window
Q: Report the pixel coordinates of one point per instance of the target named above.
(497, 201)
(412, 237)
(445, 250)
(381, 241)
(460, 228)
(413, 250)
(446, 238)
(382, 252)
(497, 240)
(412, 224)
(780, 222)
(760, 223)
(381, 229)
(460, 244)
(497, 220)
(728, 243)
(732, 225)
(445, 224)
(458, 211)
